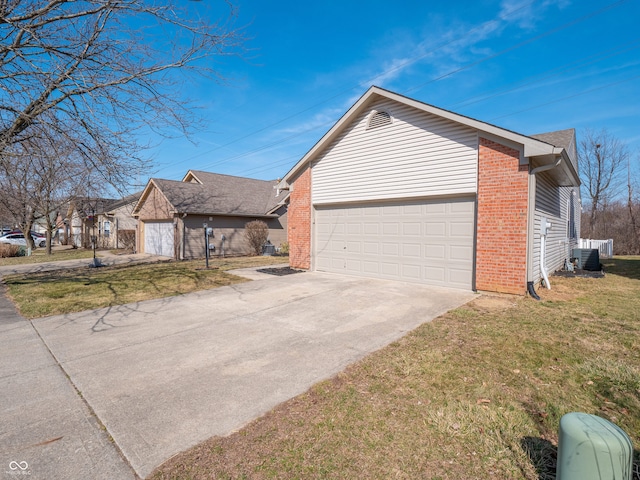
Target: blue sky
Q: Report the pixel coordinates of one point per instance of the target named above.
(528, 66)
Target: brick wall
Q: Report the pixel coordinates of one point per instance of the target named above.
(503, 185)
(299, 222)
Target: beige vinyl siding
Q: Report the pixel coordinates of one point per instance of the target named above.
(555, 204)
(233, 229)
(418, 155)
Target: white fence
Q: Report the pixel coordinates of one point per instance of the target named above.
(605, 247)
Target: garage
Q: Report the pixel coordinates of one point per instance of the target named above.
(158, 238)
(425, 241)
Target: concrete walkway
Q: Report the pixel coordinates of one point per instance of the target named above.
(47, 431)
(106, 258)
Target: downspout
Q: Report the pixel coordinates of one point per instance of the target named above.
(544, 229)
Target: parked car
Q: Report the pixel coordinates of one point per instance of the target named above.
(18, 239)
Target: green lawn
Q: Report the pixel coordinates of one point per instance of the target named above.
(477, 393)
(58, 292)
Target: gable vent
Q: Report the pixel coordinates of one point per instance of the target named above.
(379, 119)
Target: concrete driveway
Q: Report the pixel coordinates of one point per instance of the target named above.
(166, 374)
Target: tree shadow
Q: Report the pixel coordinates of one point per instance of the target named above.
(543, 456)
(626, 266)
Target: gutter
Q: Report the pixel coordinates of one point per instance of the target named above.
(549, 166)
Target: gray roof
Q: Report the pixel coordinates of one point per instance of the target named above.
(561, 138)
(85, 206)
(133, 198)
(221, 194)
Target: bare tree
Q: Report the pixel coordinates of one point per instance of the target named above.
(631, 206)
(40, 176)
(97, 73)
(602, 160)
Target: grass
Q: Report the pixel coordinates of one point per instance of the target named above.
(477, 393)
(58, 292)
(39, 255)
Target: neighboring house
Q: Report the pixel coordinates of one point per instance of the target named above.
(171, 214)
(116, 224)
(402, 190)
(80, 222)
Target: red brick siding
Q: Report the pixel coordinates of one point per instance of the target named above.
(299, 222)
(503, 192)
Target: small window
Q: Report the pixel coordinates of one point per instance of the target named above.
(379, 118)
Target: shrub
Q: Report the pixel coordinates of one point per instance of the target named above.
(256, 233)
(8, 250)
(284, 248)
(127, 239)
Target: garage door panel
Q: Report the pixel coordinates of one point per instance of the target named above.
(390, 249)
(411, 250)
(435, 208)
(459, 278)
(389, 269)
(461, 229)
(371, 228)
(371, 212)
(411, 272)
(391, 210)
(390, 228)
(354, 229)
(354, 247)
(460, 252)
(434, 251)
(435, 274)
(371, 267)
(158, 238)
(466, 208)
(371, 248)
(412, 229)
(420, 241)
(412, 210)
(435, 229)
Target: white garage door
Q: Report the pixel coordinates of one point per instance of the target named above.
(158, 238)
(427, 242)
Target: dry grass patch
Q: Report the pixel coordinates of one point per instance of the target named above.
(39, 255)
(477, 393)
(68, 291)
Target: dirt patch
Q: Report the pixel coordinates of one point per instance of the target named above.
(494, 303)
(577, 273)
(279, 271)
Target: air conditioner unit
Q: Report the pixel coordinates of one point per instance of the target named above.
(587, 258)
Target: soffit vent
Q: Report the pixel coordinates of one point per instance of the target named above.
(379, 119)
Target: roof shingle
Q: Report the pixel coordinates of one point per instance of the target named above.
(221, 194)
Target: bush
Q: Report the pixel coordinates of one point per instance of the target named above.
(8, 250)
(256, 233)
(127, 239)
(284, 248)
